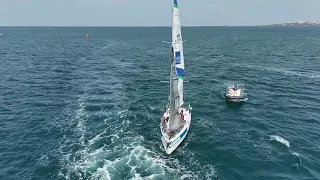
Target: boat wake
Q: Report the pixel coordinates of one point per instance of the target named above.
(280, 140)
(116, 152)
(101, 142)
(119, 153)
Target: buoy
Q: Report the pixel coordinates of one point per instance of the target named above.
(87, 35)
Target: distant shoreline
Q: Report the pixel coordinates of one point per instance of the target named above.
(303, 23)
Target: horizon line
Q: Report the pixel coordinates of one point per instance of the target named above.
(21, 26)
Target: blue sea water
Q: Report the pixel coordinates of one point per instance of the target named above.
(73, 107)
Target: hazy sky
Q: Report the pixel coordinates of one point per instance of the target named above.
(154, 12)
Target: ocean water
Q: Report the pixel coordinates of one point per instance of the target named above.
(73, 107)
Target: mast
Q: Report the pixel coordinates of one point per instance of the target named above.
(177, 70)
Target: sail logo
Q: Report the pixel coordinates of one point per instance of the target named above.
(175, 4)
(178, 39)
(178, 57)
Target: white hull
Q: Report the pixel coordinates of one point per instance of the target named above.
(233, 92)
(234, 95)
(170, 144)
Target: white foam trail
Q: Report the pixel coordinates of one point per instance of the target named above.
(280, 140)
(80, 163)
(117, 150)
(298, 156)
(43, 161)
(101, 173)
(124, 152)
(295, 154)
(96, 138)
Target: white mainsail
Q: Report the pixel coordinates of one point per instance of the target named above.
(178, 48)
(177, 70)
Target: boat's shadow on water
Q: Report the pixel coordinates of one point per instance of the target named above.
(234, 103)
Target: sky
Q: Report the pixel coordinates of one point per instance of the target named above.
(155, 12)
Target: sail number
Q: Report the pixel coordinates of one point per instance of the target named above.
(178, 39)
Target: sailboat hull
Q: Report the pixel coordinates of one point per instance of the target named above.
(171, 144)
(174, 131)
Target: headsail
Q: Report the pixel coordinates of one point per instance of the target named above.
(177, 70)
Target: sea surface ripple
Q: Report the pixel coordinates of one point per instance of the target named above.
(73, 107)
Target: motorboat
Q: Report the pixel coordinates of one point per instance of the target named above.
(234, 92)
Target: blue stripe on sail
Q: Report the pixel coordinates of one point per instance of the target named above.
(175, 3)
(179, 72)
(178, 57)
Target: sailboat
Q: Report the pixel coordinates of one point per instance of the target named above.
(176, 119)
